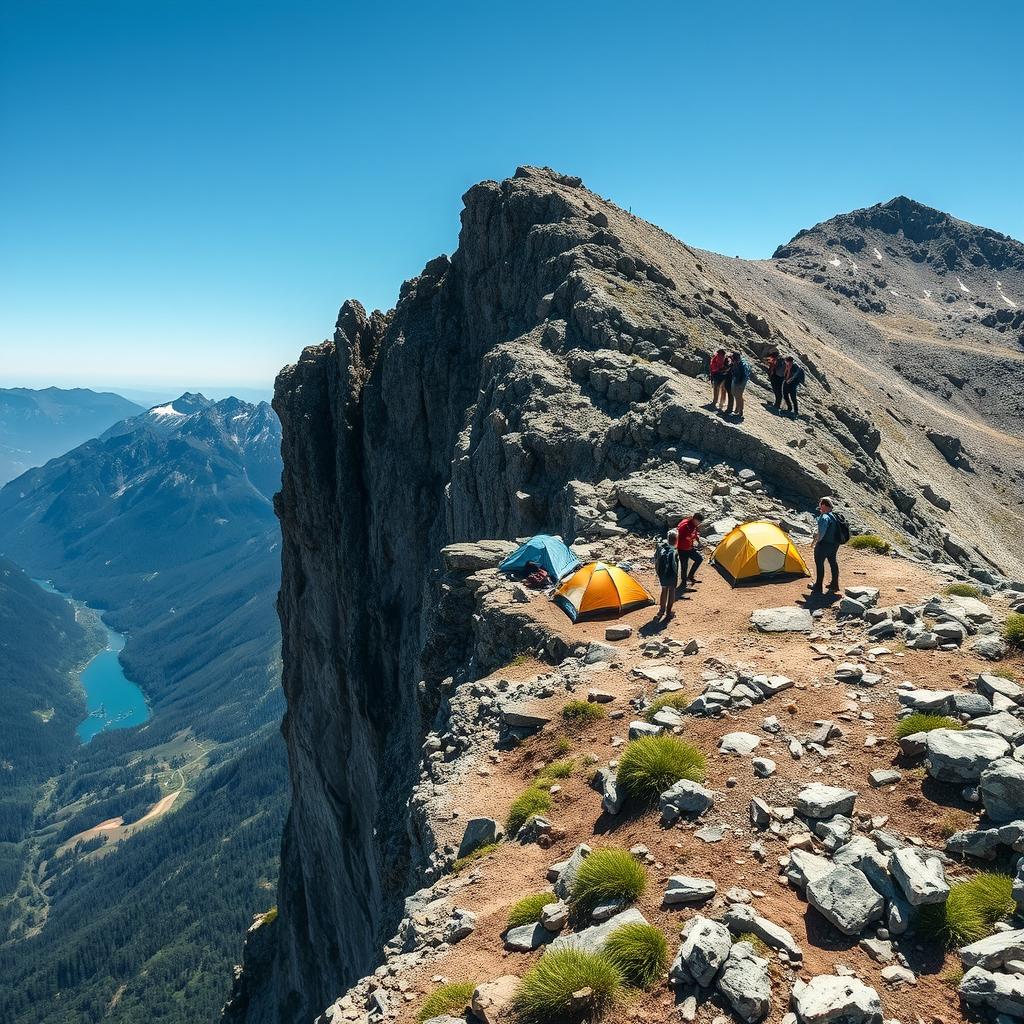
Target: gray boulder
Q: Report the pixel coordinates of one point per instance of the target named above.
(828, 999)
(594, 938)
(1002, 723)
(962, 755)
(920, 876)
(989, 647)
(936, 702)
(974, 705)
(782, 620)
(820, 801)
(845, 898)
(994, 950)
(685, 798)
(742, 919)
(479, 832)
(1018, 887)
(1003, 993)
(1002, 789)
(563, 885)
(745, 983)
(805, 867)
(706, 946)
(528, 937)
(989, 685)
(683, 889)
(740, 743)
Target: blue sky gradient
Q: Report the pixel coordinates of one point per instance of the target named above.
(189, 190)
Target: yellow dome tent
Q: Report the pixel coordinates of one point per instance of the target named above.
(598, 590)
(753, 551)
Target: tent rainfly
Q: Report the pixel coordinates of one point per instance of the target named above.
(752, 552)
(598, 591)
(545, 551)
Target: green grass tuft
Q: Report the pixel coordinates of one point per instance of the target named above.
(582, 712)
(557, 769)
(546, 992)
(640, 953)
(607, 875)
(562, 746)
(269, 917)
(449, 999)
(527, 910)
(677, 701)
(920, 721)
(963, 590)
(651, 765)
(870, 542)
(1013, 629)
(970, 911)
(530, 802)
(477, 854)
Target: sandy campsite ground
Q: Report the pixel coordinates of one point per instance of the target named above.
(717, 617)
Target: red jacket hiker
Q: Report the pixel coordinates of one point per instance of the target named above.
(717, 363)
(688, 531)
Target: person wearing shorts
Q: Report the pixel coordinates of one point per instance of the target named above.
(719, 373)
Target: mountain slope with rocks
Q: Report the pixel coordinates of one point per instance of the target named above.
(551, 376)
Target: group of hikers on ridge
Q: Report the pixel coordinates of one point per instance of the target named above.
(730, 372)
(677, 556)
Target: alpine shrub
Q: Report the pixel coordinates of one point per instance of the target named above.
(651, 765)
(677, 701)
(582, 712)
(547, 990)
(870, 542)
(921, 721)
(529, 803)
(527, 910)
(449, 999)
(607, 875)
(1013, 629)
(640, 953)
(969, 913)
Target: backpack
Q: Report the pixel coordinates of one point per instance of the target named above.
(839, 528)
(742, 371)
(797, 376)
(665, 560)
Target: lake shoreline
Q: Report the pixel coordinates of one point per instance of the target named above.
(113, 701)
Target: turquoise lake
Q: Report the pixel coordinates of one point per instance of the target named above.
(112, 700)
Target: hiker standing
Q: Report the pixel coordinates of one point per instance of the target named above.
(739, 374)
(793, 377)
(718, 372)
(688, 544)
(666, 565)
(826, 545)
(776, 366)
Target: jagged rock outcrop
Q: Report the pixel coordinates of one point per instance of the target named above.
(556, 353)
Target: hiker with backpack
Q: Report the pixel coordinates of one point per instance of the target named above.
(833, 531)
(666, 565)
(739, 374)
(793, 377)
(687, 543)
(776, 367)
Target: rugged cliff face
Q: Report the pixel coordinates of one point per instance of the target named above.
(545, 377)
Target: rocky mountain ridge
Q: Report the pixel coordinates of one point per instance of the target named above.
(548, 376)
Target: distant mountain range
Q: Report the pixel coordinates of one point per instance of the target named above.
(165, 521)
(36, 426)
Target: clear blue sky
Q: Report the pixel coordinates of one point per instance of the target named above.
(188, 190)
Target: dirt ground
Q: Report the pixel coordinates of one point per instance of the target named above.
(717, 616)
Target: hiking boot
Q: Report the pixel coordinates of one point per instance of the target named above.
(834, 586)
(816, 591)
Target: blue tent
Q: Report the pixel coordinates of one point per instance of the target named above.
(545, 551)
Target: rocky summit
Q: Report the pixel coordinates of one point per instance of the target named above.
(551, 376)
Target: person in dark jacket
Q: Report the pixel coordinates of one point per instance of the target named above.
(826, 546)
(792, 379)
(776, 367)
(739, 374)
(666, 565)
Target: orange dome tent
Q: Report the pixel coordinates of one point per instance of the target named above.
(598, 590)
(753, 551)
